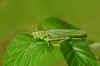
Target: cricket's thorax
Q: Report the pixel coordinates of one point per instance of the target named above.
(41, 35)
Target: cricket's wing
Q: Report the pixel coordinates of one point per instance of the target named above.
(62, 33)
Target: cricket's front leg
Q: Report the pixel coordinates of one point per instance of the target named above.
(49, 43)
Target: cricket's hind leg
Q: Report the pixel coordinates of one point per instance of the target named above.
(57, 42)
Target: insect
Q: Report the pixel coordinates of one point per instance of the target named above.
(59, 34)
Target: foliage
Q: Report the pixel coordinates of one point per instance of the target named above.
(77, 53)
(56, 23)
(22, 50)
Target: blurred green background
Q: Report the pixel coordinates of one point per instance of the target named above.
(20, 15)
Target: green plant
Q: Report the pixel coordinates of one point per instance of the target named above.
(34, 50)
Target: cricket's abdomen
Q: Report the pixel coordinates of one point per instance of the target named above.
(59, 33)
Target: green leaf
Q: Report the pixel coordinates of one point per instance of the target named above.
(93, 45)
(56, 23)
(77, 53)
(23, 51)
